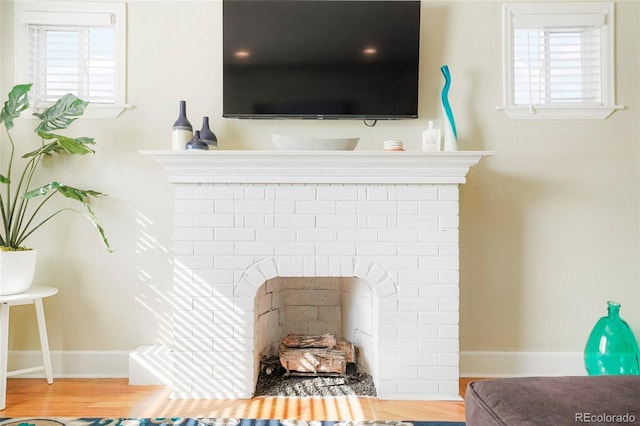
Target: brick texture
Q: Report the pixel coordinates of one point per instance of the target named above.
(375, 263)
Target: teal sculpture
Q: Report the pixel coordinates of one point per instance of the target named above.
(450, 132)
(612, 348)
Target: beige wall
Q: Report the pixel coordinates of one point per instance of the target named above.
(549, 225)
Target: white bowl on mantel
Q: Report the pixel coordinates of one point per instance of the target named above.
(295, 143)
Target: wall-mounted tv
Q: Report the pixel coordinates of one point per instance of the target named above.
(321, 59)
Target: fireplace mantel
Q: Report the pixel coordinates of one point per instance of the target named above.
(247, 166)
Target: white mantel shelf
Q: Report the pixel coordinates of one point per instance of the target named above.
(247, 166)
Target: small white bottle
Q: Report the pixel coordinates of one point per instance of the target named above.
(431, 139)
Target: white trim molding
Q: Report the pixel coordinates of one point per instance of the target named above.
(543, 112)
(74, 364)
(146, 365)
(316, 166)
(521, 364)
(135, 364)
(151, 365)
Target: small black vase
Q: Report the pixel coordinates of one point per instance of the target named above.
(206, 134)
(197, 142)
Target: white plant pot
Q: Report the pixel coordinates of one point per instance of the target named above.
(16, 271)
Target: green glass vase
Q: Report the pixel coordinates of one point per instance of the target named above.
(611, 348)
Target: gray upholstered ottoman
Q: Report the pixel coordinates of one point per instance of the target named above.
(554, 401)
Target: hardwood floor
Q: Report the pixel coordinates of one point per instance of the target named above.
(115, 398)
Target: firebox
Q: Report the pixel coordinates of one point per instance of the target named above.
(341, 311)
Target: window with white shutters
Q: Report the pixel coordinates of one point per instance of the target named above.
(73, 47)
(558, 60)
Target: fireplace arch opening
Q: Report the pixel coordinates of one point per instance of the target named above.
(340, 309)
(351, 290)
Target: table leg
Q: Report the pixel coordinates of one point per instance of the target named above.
(44, 341)
(4, 352)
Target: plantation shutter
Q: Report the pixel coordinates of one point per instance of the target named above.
(72, 54)
(557, 59)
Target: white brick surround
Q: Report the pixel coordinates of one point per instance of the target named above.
(245, 218)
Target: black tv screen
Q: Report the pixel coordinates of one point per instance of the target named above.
(321, 59)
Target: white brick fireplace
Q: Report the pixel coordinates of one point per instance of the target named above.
(385, 225)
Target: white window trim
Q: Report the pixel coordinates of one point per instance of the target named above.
(558, 111)
(27, 11)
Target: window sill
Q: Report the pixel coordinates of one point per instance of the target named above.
(92, 111)
(576, 112)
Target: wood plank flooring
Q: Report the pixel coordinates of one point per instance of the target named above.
(115, 398)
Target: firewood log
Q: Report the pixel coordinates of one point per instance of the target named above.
(310, 341)
(348, 348)
(313, 360)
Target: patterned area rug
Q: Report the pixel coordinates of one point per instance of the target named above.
(182, 421)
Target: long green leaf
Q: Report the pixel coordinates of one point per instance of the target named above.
(74, 145)
(43, 190)
(94, 221)
(81, 195)
(61, 114)
(90, 216)
(18, 101)
(78, 194)
(62, 144)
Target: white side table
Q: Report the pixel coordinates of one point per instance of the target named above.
(34, 295)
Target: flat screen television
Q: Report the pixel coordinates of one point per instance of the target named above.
(321, 59)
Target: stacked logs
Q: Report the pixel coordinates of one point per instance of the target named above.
(316, 354)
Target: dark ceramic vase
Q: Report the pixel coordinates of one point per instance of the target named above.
(182, 131)
(197, 142)
(206, 134)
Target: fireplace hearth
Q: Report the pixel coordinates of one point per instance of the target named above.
(365, 242)
(352, 383)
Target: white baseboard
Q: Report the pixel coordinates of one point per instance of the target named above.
(151, 365)
(74, 364)
(521, 364)
(148, 364)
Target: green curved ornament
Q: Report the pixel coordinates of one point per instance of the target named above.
(446, 106)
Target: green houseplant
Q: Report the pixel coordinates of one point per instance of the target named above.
(21, 206)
